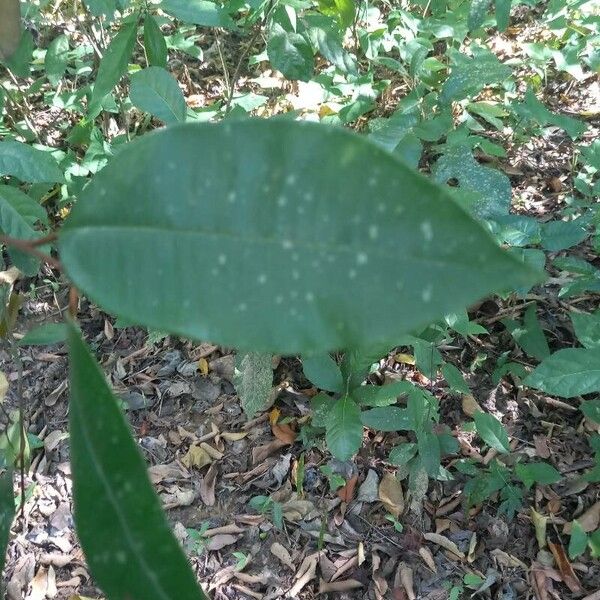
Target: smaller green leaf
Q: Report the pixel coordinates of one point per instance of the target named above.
(567, 373)
(380, 395)
(477, 13)
(529, 335)
(20, 61)
(129, 546)
(455, 379)
(492, 432)
(344, 429)
(578, 541)
(253, 381)
(290, 53)
(48, 333)
(429, 452)
(400, 455)
(7, 512)
(112, 66)
(587, 328)
(56, 59)
(156, 91)
(594, 543)
(27, 163)
(540, 473)
(101, 7)
(323, 371)
(320, 405)
(561, 235)
(387, 418)
(154, 43)
(591, 409)
(502, 14)
(198, 12)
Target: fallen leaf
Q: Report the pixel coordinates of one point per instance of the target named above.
(306, 572)
(470, 406)
(234, 436)
(3, 386)
(295, 510)
(282, 554)
(284, 433)
(427, 557)
(260, 453)
(589, 520)
(170, 472)
(564, 566)
(338, 586)
(539, 523)
(406, 359)
(197, 457)
(346, 492)
(220, 541)
(445, 543)
(203, 366)
(390, 494)
(368, 490)
(212, 452)
(207, 485)
(541, 446)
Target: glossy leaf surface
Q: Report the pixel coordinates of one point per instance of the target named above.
(127, 541)
(293, 239)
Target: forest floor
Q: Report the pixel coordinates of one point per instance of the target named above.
(208, 461)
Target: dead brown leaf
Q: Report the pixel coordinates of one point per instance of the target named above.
(196, 457)
(282, 554)
(221, 540)
(391, 495)
(589, 520)
(260, 453)
(346, 492)
(470, 406)
(207, 485)
(445, 543)
(284, 433)
(564, 566)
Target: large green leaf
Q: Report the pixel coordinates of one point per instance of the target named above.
(323, 371)
(387, 418)
(587, 328)
(290, 53)
(568, 373)
(300, 251)
(254, 381)
(7, 513)
(470, 74)
(127, 541)
(198, 12)
(491, 431)
(56, 59)
(537, 472)
(27, 163)
(112, 66)
(492, 188)
(154, 43)
(156, 91)
(18, 214)
(478, 12)
(344, 428)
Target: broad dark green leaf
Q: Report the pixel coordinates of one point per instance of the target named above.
(198, 12)
(400, 455)
(587, 328)
(455, 379)
(156, 91)
(560, 235)
(323, 371)
(591, 409)
(48, 333)
(387, 418)
(253, 381)
(344, 428)
(529, 334)
(492, 188)
(478, 12)
(20, 61)
(578, 540)
(301, 251)
(568, 373)
(380, 395)
(101, 7)
(502, 13)
(470, 74)
(56, 59)
(491, 431)
(290, 53)
(540, 472)
(18, 214)
(128, 544)
(154, 43)
(27, 163)
(532, 108)
(112, 66)
(7, 513)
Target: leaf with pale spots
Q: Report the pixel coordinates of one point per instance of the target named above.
(313, 239)
(129, 547)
